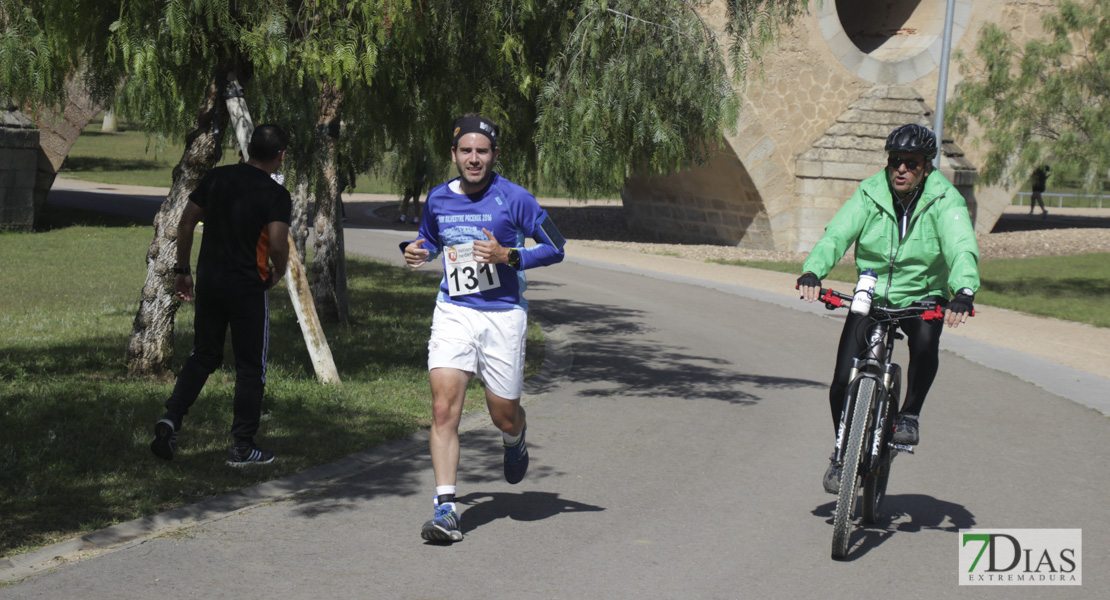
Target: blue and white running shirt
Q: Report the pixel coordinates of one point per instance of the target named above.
(452, 221)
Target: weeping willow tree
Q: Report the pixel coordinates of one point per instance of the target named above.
(1044, 103)
(45, 74)
(177, 57)
(43, 45)
(298, 62)
(167, 69)
(587, 92)
(644, 87)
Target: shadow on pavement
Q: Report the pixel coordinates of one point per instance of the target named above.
(1011, 222)
(614, 352)
(401, 477)
(525, 506)
(902, 513)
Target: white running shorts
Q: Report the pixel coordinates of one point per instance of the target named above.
(487, 343)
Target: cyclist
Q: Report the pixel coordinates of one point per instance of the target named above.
(911, 227)
(480, 318)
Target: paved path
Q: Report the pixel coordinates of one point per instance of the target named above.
(677, 438)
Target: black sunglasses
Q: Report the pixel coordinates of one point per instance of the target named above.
(896, 161)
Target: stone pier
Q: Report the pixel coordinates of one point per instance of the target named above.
(19, 149)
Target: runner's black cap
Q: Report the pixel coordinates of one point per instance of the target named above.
(474, 124)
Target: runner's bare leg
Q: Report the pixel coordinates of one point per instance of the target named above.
(448, 395)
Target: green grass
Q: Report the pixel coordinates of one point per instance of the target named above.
(841, 272)
(130, 157)
(1073, 288)
(126, 157)
(74, 453)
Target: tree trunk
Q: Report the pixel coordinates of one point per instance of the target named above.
(303, 205)
(295, 281)
(150, 349)
(58, 132)
(239, 115)
(317, 344)
(329, 276)
(109, 124)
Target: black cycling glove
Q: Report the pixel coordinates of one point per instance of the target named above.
(961, 304)
(809, 280)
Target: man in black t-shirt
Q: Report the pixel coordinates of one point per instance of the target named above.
(243, 253)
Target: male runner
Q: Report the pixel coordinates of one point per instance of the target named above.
(478, 222)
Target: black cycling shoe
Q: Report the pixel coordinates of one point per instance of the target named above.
(906, 430)
(832, 476)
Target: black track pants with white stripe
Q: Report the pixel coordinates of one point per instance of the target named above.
(248, 316)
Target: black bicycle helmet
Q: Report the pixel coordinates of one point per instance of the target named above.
(912, 138)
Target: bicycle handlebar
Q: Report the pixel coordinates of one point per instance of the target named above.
(928, 311)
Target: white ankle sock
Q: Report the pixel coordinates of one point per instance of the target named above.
(443, 490)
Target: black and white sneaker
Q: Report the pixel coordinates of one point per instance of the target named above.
(241, 456)
(165, 439)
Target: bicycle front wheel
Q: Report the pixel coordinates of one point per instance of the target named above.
(849, 473)
(874, 484)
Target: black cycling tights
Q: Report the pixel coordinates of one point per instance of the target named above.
(923, 339)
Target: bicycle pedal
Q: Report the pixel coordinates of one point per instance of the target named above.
(901, 448)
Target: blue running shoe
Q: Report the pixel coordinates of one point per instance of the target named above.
(444, 527)
(516, 459)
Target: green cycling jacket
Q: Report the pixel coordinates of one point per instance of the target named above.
(937, 257)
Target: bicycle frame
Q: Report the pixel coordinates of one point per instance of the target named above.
(878, 364)
(863, 441)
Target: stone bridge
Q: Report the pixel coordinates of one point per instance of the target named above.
(815, 120)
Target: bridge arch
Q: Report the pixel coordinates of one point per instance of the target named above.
(814, 122)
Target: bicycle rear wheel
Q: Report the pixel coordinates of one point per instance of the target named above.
(845, 502)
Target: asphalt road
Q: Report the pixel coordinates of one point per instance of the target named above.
(677, 441)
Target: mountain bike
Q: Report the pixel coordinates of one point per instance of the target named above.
(864, 445)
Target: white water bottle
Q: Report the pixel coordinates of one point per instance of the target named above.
(865, 288)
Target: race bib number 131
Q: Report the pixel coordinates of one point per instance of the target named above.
(464, 274)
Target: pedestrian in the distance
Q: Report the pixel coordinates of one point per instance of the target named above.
(243, 253)
(416, 174)
(478, 222)
(1040, 177)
